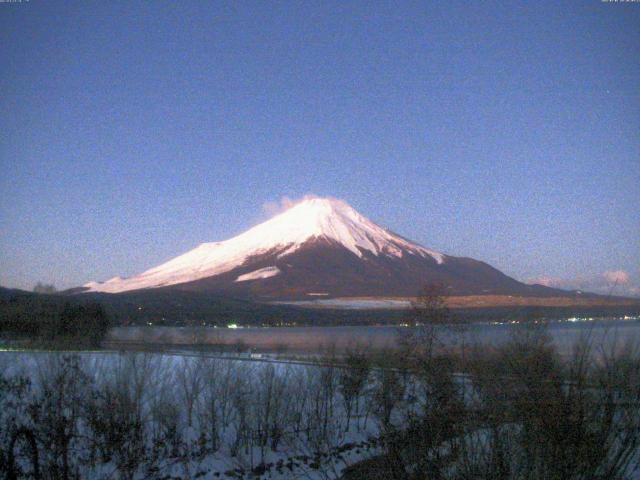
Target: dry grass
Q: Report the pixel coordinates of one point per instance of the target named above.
(479, 301)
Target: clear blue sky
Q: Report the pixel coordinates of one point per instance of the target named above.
(505, 131)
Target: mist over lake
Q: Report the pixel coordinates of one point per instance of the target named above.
(608, 331)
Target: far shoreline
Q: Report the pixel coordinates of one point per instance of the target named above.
(463, 302)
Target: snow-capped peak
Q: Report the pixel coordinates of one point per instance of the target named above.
(312, 218)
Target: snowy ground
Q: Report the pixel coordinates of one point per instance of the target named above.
(151, 415)
(269, 420)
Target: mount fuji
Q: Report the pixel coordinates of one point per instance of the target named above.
(319, 248)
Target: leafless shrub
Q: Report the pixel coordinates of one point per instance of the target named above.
(352, 380)
(211, 404)
(56, 412)
(188, 376)
(16, 458)
(541, 416)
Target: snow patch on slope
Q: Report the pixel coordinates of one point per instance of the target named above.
(266, 272)
(312, 218)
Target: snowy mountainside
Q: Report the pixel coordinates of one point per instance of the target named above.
(320, 247)
(312, 218)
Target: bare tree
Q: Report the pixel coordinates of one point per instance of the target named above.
(189, 379)
(352, 380)
(428, 314)
(63, 386)
(211, 403)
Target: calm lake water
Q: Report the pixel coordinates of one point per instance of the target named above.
(614, 331)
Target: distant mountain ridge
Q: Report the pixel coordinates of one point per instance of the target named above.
(320, 247)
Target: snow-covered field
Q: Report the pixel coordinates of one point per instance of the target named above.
(106, 415)
(152, 415)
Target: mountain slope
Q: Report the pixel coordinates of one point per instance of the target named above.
(319, 247)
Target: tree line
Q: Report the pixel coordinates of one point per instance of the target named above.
(51, 319)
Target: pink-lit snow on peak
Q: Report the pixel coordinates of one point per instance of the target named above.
(312, 218)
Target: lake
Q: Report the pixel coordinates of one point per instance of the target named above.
(308, 339)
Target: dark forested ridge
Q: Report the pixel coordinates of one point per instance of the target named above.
(48, 318)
